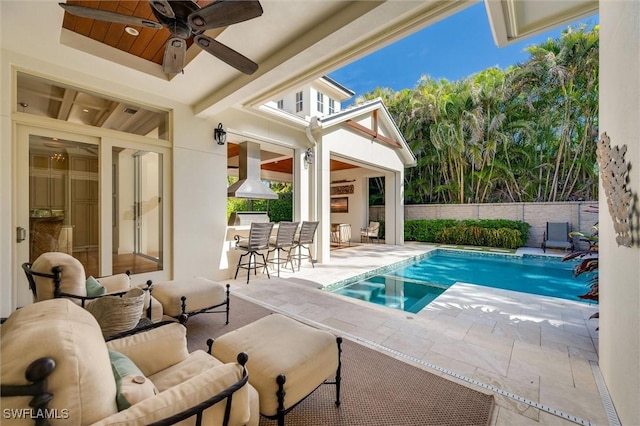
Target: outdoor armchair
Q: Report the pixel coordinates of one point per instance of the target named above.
(60, 275)
(370, 232)
(147, 378)
(557, 236)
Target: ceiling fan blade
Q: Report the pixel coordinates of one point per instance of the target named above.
(226, 54)
(223, 13)
(163, 8)
(105, 15)
(174, 54)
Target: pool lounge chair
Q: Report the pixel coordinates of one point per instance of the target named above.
(557, 236)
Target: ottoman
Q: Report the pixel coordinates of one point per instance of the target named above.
(288, 360)
(182, 299)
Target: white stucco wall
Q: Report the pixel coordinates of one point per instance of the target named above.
(196, 226)
(341, 141)
(620, 266)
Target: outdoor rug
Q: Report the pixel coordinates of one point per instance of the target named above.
(376, 388)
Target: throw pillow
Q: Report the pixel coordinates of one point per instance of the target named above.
(132, 387)
(94, 289)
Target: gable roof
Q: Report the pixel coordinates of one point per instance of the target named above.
(376, 107)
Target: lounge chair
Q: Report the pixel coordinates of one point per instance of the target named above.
(557, 236)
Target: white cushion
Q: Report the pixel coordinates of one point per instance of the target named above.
(82, 381)
(115, 283)
(280, 345)
(188, 394)
(200, 293)
(73, 279)
(155, 349)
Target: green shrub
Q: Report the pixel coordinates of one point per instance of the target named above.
(483, 232)
(477, 236)
(425, 230)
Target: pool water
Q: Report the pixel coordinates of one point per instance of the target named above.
(412, 287)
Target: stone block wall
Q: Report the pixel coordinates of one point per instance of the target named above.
(537, 215)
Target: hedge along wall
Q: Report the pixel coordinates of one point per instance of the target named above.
(537, 215)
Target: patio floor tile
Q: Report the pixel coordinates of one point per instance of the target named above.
(537, 347)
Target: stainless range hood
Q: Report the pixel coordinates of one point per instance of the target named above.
(249, 184)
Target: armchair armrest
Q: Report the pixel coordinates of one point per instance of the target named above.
(36, 373)
(202, 394)
(156, 348)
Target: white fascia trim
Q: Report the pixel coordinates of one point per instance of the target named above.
(410, 159)
(495, 14)
(282, 116)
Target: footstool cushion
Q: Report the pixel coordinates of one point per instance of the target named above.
(280, 345)
(200, 293)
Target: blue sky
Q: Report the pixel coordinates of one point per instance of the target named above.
(454, 48)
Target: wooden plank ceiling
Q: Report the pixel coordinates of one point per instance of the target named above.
(149, 44)
(285, 165)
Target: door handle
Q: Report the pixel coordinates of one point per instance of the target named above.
(21, 234)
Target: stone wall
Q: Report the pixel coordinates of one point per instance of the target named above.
(578, 214)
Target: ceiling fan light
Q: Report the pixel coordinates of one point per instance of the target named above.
(198, 21)
(132, 31)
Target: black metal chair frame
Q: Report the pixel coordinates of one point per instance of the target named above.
(259, 235)
(40, 369)
(184, 316)
(56, 276)
(304, 240)
(284, 242)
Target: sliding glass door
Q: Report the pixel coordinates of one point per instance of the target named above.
(99, 200)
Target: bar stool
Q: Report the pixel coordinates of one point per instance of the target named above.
(283, 241)
(259, 235)
(306, 236)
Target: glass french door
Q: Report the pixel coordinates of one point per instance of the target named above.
(137, 207)
(100, 200)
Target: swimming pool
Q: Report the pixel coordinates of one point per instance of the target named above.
(413, 286)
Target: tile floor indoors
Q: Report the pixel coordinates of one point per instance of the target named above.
(537, 355)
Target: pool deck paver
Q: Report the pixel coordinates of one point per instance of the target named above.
(537, 347)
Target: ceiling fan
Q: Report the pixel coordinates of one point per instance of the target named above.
(185, 19)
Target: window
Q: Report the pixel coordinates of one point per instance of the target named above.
(332, 106)
(320, 98)
(299, 104)
(281, 104)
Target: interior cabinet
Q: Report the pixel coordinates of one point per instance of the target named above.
(47, 180)
(85, 233)
(84, 195)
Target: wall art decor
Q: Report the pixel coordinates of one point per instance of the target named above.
(340, 205)
(615, 180)
(342, 190)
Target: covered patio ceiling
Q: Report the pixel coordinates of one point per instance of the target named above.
(277, 162)
(293, 42)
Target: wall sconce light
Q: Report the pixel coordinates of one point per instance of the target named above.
(219, 134)
(308, 156)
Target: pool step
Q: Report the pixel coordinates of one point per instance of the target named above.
(392, 301)
(364, 291)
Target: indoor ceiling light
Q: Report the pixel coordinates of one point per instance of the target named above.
(132, 31)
